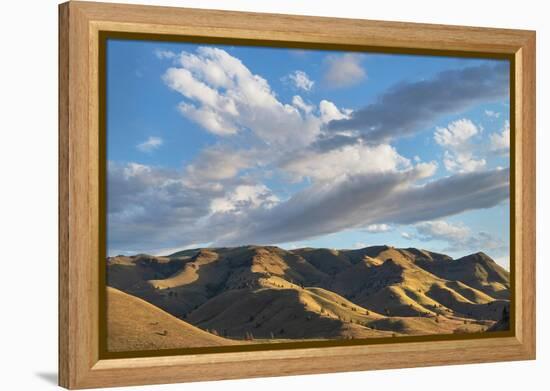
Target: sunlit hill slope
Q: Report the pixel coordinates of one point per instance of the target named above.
(264, 293)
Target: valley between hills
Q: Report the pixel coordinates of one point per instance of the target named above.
(265, 294)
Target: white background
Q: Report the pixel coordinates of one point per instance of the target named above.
(28, 194)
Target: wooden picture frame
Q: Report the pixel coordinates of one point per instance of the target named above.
(81, 163)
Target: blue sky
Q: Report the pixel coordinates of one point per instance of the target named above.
(228, 145)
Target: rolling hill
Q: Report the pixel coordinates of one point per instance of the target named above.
(267, 293)
(133, 324)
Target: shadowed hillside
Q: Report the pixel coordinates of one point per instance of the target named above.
(270, 294)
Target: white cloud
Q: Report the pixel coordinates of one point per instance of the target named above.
(425, 169)
(132, 170)
(301, 80)
(492, 114)
(218, 163)
(378, 228)
(407, 235)
(164, 54)
(459, 237)
(150, 144)
(500, 142)
(347, 160)
(456, 137)
(344, 70)
(299, 103)
(209, 119)
(358, 245)
(442, 230)
(329, 112)
(462, 162)
(214, 66)
(456, 134)
(225, 98)
(244, 198)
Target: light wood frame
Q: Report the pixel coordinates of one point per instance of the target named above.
(80, 23)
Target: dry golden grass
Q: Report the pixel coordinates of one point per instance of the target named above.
(281, 313)
(190, 272)
(134, 324)
(268, 294)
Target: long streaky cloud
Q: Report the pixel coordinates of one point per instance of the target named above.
(371, 199)
(410, 107)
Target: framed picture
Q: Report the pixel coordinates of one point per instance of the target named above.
(247, 195)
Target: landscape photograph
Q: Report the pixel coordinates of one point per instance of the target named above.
(263, 195)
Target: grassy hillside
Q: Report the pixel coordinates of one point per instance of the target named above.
(267, 293)
(133, 324)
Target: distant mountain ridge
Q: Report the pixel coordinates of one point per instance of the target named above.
(265, 292)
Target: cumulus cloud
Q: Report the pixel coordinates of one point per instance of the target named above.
(459, 157)
(500, 142)
(348, 160)
(301, 80)
(150, 144)
(456, 134)
(462, 162)
(330, 112)
(225, 98)
(410, 107)
(344, 70)
(244, 198)
(299, 103)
